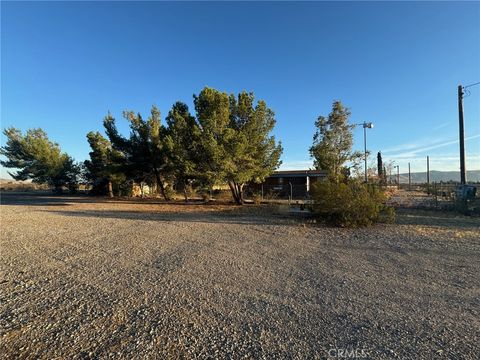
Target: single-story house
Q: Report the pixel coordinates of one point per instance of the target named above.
(286, 183)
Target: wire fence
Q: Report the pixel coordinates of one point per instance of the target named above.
(446, 190)
(277, 192)
(447, 195)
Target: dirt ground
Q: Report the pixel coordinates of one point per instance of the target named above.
(93, 278)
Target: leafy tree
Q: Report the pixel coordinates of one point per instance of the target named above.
(38, 159)
(145, 150)
(213, 117)
(182, 142)
(332, 143)
(105, 166)
(236, 145)
(255, 152)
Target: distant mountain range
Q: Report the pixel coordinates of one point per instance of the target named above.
(437, 176)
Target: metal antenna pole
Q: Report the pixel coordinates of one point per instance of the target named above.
(398, 177)
(365, 148)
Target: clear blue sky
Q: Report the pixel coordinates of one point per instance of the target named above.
(64, 65)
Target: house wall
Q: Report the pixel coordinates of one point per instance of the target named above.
(280, 186)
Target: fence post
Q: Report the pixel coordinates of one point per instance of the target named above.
(262, 191)
(291, 193)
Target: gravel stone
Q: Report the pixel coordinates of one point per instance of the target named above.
(92, 278)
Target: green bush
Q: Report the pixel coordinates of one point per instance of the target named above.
(350, 204)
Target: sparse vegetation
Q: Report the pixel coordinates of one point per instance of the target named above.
(350, 204)
(340, 200)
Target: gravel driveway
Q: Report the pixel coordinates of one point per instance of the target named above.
(83, 278)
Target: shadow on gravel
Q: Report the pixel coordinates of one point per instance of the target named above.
(436, 218)
(217, 217)
(29, 199)
(45, 199)
(49, 199)
(246, 218)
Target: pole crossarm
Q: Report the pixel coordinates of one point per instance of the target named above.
(365, 125)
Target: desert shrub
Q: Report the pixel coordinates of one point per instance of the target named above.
(257, 198)
(387, 215)
(222, 195)
(169, 192)
(350, 204)
(204, 193)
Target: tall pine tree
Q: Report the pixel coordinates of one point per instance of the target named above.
(38, 159)
(236, 143)
(106, 165)
(145, 151)
(182, 142)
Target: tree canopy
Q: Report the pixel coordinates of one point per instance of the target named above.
(333, 141)
(183, 144)
(105, 166)
(37, 158)
(227, 142)
(235, 138)
(145, 151)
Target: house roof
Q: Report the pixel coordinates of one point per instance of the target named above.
(298, 173)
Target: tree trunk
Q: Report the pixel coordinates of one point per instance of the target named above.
(110, 188)
(160, 183)
(236, 192)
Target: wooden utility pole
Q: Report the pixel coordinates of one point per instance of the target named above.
(463, 172)
(409, 178)
(428, 175)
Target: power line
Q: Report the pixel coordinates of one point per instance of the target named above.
(471, 85)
